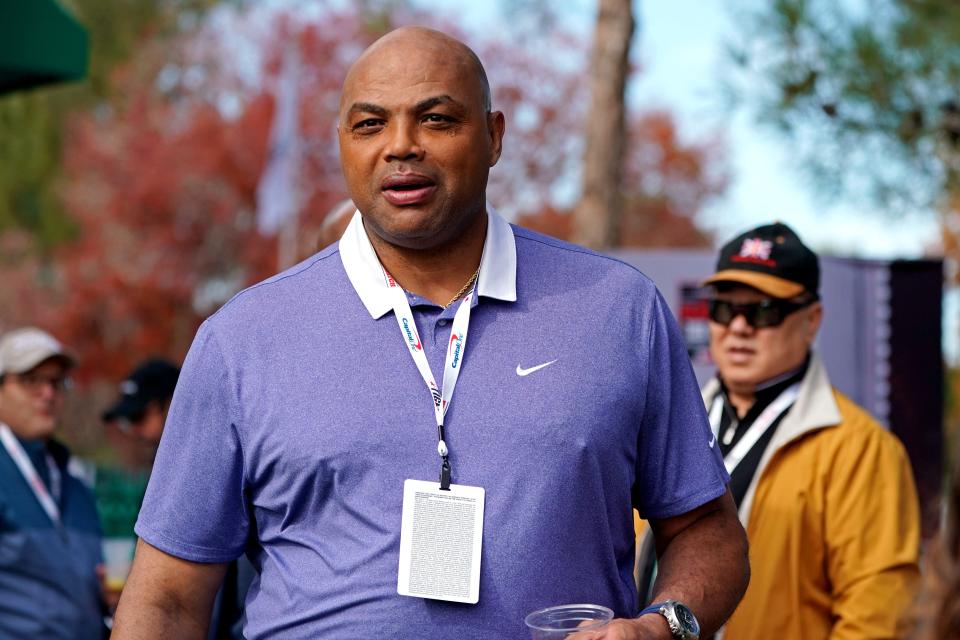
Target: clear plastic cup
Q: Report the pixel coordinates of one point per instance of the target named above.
(580, 621)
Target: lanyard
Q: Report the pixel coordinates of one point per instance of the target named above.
(766, 418)
(456, 347)
(29, 473)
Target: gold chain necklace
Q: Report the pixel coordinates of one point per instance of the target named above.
(464, 288)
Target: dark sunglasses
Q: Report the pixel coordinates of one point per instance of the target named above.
(759, 315)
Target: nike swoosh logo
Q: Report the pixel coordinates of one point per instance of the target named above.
(525, 372)
(713, 441)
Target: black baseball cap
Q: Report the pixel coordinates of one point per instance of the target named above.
(770, 258)
(153, 379)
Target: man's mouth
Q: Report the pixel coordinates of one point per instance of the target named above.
(405, 189)
(740, 354)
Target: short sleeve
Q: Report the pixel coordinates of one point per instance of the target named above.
(679, 466)
(195, 506)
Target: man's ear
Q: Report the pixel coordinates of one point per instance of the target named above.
(496, 125)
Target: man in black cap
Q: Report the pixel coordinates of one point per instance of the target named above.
(139, 414)
(141, 411)
(145, 395)
(825, 493)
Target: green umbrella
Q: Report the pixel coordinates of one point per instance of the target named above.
(40, 43)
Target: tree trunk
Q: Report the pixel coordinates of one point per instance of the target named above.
(597, 215)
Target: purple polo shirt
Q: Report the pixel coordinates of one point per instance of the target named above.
(299, 414)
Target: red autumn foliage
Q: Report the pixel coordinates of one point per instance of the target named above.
(162, 181)
(666, 183)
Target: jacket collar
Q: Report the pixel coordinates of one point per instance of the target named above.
(815, 408)
(498, 265)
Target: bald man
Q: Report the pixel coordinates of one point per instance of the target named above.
(315, 425)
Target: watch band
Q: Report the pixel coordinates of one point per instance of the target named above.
(653, 608)
(683, 626)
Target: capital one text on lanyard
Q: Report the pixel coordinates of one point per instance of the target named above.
(456, 347)
(30, 474)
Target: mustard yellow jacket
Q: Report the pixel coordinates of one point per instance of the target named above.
(833, 523)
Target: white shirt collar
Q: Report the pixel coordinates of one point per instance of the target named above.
(498, 265)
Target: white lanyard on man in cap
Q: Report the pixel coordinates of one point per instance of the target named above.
(29, 473)
(456, 347)
(759, 426)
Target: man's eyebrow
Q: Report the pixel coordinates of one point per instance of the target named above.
(367, 107)
(430, 103)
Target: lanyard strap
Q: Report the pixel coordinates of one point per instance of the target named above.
(456, 347)
(756, 430)
(29, 473)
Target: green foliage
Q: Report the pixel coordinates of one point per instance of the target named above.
(29, 158)
(868, 91)
(119, 493)
(116, 27)
(32, 122)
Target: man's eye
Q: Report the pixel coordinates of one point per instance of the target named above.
(368, 124)
(437, 118)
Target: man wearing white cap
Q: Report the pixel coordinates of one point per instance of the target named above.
(49, 532)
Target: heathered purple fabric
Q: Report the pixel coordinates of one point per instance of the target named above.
(298, 417)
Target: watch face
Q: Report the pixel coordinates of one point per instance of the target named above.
(686, 619)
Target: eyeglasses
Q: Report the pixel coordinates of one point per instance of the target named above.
(759, 315)
(34, 382)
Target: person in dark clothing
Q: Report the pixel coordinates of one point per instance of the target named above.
(140, 412)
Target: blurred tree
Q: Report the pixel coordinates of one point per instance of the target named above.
(29, 151)
(160, 170)
(639, 185)
(597, 216)
(160, 180)
(543, 100)
(31, 123)
(666, 182)
(868, 94)
(160, 176)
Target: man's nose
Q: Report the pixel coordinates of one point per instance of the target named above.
(740, 325)
(404, 142)
(47, 391)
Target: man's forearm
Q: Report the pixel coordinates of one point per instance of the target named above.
(705, 566)
(155, 621)
(166, 597)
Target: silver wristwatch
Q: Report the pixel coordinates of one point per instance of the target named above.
(683, 624)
